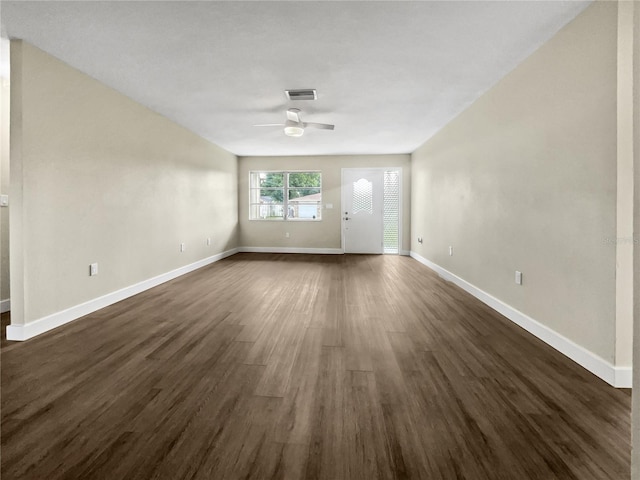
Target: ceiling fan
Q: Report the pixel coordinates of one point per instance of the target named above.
(294, 126)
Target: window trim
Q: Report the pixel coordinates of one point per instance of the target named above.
(285, 196)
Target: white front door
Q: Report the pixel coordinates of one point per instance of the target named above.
(362, 210)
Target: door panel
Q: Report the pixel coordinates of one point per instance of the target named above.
(362, 210)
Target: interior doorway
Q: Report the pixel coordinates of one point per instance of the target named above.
(5, 294)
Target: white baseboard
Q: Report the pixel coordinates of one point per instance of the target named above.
(321, 251)
(326, 251)
(42, 325)
(619, 377)
(5, 305)
(623, 377)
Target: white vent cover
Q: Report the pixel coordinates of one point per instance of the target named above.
(304, 94)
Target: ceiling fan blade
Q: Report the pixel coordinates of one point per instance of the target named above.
(270, 125)
(293, 115)
(322, 126)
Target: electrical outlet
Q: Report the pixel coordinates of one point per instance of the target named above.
(93, 269)
(450, 250)
(286, 235)
(182, 247)
(518, 277)
(208, 241)
(4, 200)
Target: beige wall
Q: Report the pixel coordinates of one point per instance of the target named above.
(635, 456)
(98, 178)
(324, 234)
(4, 177)
(625, 186)
(525, 179)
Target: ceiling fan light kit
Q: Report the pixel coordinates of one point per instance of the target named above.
(293, 130)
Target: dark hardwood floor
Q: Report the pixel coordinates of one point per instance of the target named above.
(305, 367)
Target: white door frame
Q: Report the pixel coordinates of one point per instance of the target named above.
(400, 202)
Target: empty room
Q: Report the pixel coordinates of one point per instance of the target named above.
(319, 240)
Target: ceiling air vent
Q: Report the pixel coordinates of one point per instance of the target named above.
(306, 94)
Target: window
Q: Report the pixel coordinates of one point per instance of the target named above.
(294, 196)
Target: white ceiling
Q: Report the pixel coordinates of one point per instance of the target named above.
(388, 74)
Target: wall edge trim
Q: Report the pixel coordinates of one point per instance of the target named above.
(37, 327)
(321, 251)
(619, 377)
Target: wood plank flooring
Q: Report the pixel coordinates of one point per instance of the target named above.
(269, 366)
